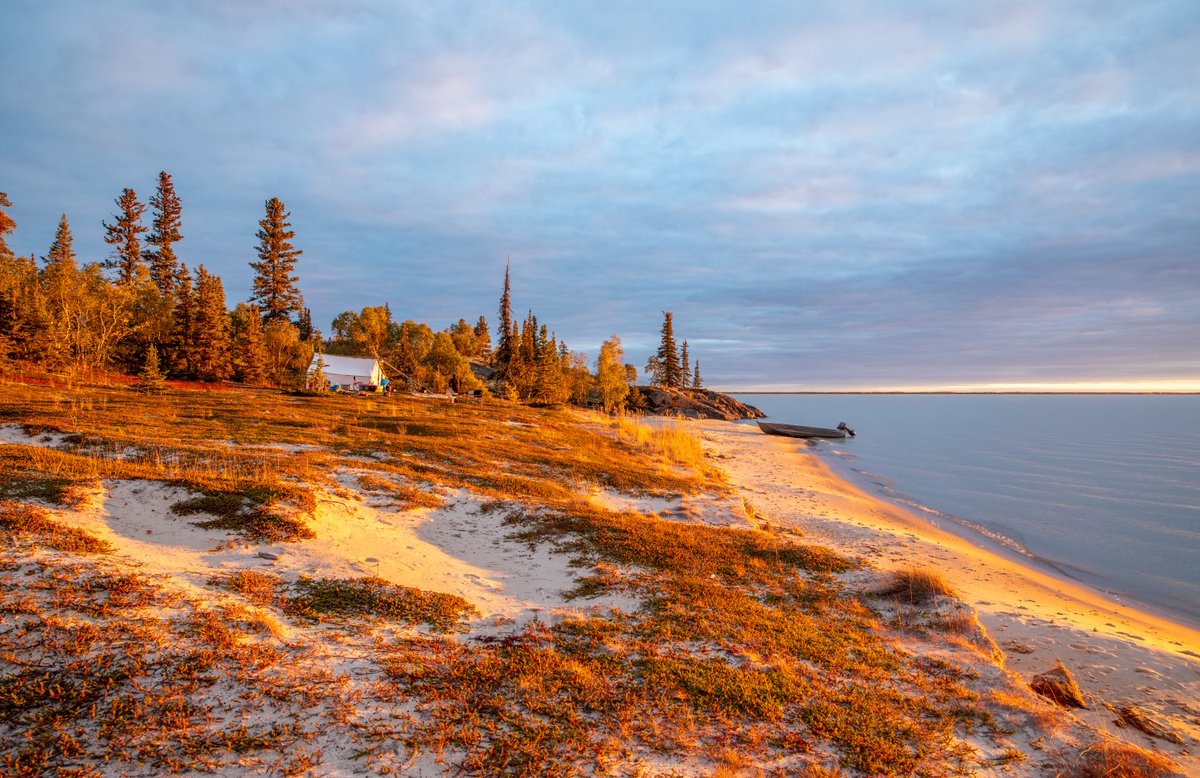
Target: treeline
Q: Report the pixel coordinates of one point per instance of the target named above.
(143, 304)
(142, 310)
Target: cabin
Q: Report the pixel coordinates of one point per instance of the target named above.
(350, 373)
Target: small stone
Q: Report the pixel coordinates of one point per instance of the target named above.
(268, 555)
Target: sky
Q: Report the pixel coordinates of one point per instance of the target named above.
(826, 195)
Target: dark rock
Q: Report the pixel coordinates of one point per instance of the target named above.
(1059, 686)
(693, 404)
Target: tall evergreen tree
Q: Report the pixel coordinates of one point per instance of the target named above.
(21, 304)
(125, 236)
(696, 383)
(483, 339)
(211, 344)
(7, 225)
(667, 370)
(505, 343)
(249, 346)
(61, 283)
(685, 370)
(165, 267)
(275, 287)
(183, 330)
(304, 324)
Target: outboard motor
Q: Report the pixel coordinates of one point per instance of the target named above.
(842, 426)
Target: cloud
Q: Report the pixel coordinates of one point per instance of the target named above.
(819, 192)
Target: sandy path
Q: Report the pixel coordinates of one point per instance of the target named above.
(1119, 654)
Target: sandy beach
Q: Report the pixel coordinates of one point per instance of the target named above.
(1119, 655)
(326, 675)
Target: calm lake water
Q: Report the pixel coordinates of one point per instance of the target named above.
(1104, 489)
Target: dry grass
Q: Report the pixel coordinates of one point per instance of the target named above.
(745, 649)
(1108, 758)
(671, 439)
(916, 586)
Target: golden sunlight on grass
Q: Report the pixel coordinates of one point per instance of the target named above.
(732, 648)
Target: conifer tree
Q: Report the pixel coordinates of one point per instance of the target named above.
(211, 343)
(60, 281)
(317, 381)
(667, 371)
(696, 383)
(249, 348)
(505, 343)
(182, 341)
(165, 267)
(151, 380)
(124, 235)
(483, 339)
(275, 287)
(7, 225)
(22, 308)
(304, 325)
(685, 370)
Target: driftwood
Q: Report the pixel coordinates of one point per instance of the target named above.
(1133, 716)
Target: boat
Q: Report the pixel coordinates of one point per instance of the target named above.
(800, 431)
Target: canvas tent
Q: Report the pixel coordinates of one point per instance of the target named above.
(347, 372)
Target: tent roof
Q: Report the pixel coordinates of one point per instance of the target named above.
(363, 366)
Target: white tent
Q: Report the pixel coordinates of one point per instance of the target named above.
(348, 371)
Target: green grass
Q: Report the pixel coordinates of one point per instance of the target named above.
(351, 598)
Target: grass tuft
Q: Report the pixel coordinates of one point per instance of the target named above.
(30, 522)
(321, 599)
(917, 587)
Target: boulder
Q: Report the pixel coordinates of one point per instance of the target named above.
(1059, 686)
(693, 404)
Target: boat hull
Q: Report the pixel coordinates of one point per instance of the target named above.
(799, 431)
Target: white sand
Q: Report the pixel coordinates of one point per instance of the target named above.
(1119, 655)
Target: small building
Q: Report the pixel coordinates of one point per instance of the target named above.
(350, 372)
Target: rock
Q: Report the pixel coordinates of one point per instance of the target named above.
(1059, 686)
(694, 404)
(1133, 716)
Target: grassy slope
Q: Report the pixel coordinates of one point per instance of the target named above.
(749, 650)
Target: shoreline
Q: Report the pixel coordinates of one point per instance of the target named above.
(1119, 654)
(1010, 550)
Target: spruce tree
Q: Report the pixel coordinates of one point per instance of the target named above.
(505, 344)
(685, 369)
(7, 225)
(165, 267)
(211, 343)
(249, 347)
(151, 380)
(124, 235)
(668, 372)
(182, 342)
(483, 339)
(61, 282)
(275, 287)
(696, 383)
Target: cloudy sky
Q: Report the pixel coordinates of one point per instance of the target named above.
(825, 194)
